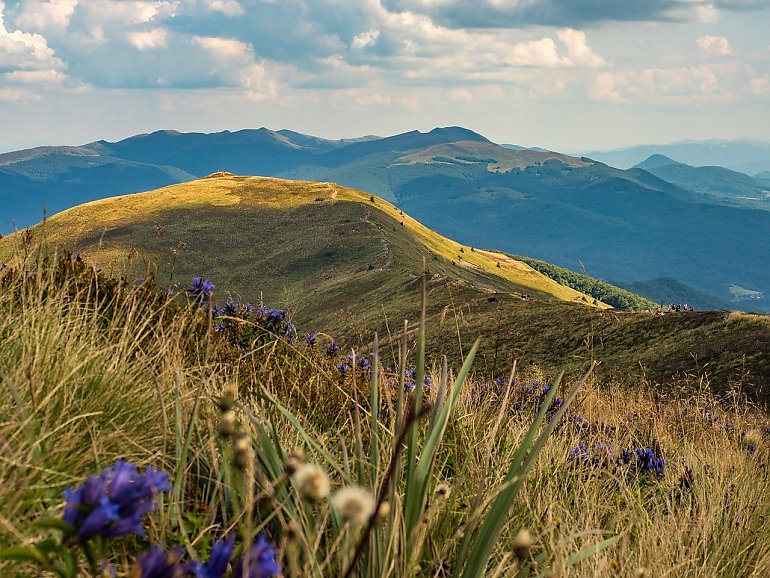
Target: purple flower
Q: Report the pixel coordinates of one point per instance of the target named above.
(201, 289)
(221, 553)
(332, 349)
(310, 339)
(113, 502)
(258, 562)
(157, 563)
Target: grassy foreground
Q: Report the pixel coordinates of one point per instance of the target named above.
(93, 370)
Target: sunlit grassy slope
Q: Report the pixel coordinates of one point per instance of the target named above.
(346, 263)
(315, 247)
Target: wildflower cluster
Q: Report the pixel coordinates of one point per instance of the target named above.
(360, 365)
(113, 502)
(410, 378)
(633, 461)
(258, 562)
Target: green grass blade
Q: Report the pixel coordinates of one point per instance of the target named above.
(418, 485)
(489, 533)
(592, 550)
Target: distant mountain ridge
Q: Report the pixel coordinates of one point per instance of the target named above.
(719, 183)
(628, 225)
(746, 156)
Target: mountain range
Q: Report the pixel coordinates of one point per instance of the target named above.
(624, 225)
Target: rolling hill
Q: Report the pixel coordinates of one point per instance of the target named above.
(317, 248)
(347, 263)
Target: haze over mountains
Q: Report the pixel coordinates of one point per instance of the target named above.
(746, 156)
(703, 228)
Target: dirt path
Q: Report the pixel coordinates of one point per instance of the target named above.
(386, 243)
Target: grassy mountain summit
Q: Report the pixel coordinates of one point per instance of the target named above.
(325, 251)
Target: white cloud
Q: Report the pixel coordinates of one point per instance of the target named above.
(365, 39)
(676, 85)
(39, 77)
(461, 95)
(224, 49)
(149, 39)
(605, 87)
(714, 45)
(25, 51)
(46, 14)
(578, 51)
(759, 86)
(10, 95)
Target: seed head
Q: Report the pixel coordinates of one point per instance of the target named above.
(241, 448)
(227, 423)
(384, 511)
(311, 482)
(522, 544)
(354, 504)
(227, 401)
(442, 491)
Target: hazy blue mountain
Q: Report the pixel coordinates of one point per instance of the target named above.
(763, 177)
(56, 178)
(746, 156)
(716, 184)
(666, 291)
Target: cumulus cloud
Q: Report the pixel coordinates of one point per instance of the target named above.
(714, 45)
(24, 51)
(713, 83)
(226, 7)
(149, 39)
(363, 48)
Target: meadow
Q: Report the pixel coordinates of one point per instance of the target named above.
(323, 461)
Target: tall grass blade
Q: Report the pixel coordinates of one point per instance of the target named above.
(489, 533)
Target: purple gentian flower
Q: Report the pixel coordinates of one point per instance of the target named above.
(258, 562)
(157, 563)
(113, 502)
(221, 553)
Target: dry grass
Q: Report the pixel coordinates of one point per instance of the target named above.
(82, 388)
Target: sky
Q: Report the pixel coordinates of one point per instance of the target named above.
(569, 75)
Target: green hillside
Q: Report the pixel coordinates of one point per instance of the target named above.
(332, 255)
(601, 290)
(348, 264)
